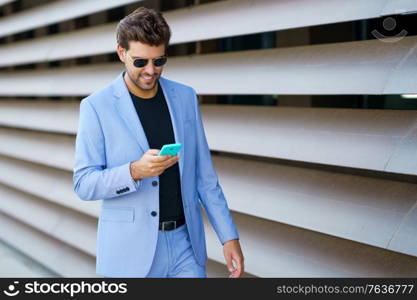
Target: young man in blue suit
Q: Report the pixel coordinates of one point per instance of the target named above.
(150, 224)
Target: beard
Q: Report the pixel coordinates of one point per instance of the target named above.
(140, 83)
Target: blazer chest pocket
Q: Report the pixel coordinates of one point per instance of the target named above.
(125, 214)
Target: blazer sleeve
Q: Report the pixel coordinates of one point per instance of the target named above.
(209, 190)
(91, 179)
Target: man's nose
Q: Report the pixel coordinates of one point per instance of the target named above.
(150, 68)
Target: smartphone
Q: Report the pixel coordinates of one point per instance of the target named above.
(171, 149)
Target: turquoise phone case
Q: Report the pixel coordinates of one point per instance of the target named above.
(171, 149)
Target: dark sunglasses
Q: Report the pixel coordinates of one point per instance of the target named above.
(157, 62)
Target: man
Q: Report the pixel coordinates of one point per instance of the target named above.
(150, 223)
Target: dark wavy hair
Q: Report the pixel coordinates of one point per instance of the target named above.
(144, 25)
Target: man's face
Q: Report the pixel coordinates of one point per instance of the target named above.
(145, 78)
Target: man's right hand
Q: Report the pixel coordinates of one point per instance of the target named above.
(151, 164)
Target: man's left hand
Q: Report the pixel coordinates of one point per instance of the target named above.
(233, 253)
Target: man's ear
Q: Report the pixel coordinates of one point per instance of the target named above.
(121, 52)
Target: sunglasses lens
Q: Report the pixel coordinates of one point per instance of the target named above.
(140, 62)
(160, 61)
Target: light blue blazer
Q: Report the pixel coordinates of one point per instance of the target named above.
(109, 137)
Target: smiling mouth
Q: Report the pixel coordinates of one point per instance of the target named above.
(147, 79)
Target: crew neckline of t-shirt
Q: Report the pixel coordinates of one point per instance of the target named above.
(152, 98)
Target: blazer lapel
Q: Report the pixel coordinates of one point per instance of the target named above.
(174, 106)
(127, 111)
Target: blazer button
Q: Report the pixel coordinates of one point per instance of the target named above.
(154, 183)
(153, 213)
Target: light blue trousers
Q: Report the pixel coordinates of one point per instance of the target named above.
(174, 256)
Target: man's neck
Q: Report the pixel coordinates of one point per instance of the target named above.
(137, 91)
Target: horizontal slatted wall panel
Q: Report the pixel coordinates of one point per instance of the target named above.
(277, 250)
(340, 137)
(265, 15)
(3, 2)
(372, 67)
(54, 12)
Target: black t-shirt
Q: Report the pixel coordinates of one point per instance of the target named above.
(156, 122)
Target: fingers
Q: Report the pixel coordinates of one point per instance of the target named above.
(159, 167)
(159, 158)
(164, 160)
(155, 164)
(153, 151)
(173, 160)
(153, 156)
(239, 269)
(236, 272)
(169, 163)
(235, 266)
(229, 265)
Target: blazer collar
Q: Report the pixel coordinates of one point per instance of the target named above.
(127, 111)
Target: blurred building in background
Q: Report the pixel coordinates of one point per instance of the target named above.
(310, 111)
